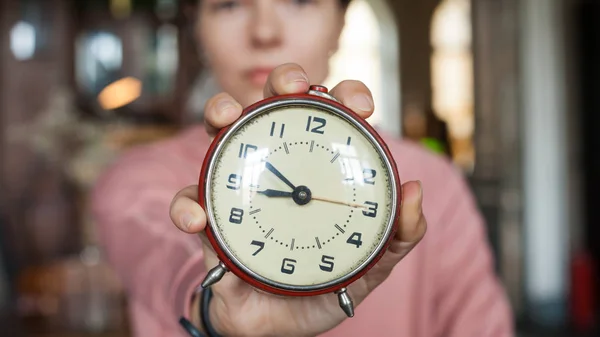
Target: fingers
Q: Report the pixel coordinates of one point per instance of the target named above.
(412, 225)
(288, 78)
(411, 229)
(356, 96)
(291, 78)
(185, 211)
(220, 111)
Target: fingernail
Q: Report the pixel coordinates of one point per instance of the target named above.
(416, 199)
(296, 76)
(420, 196)
(187, 220)
(224, 105)
(362, 102)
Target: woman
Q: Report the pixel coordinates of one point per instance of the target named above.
(258, 48)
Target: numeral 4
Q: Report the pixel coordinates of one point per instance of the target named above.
(355, 239)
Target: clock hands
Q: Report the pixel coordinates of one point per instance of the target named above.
(302, 195)
(279, 175)
(274, 193)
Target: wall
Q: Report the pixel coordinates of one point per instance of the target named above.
(34, 197)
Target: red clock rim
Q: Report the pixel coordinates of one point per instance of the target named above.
(231, 266)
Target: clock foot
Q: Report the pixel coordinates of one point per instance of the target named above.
(345, 302)
(214, 275)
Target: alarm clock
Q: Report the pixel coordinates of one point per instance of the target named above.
(302, 197)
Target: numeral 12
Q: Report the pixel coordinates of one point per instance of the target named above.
(321, 122)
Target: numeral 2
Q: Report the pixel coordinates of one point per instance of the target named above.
(260, 244)
(245, 149)
(372, 212)
(287, 266)
(236, 215)
(327, 263)
(369, 176)
(316, 120)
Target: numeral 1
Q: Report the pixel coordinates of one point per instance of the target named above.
(347, 169)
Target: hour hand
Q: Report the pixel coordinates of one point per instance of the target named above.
(275, 193)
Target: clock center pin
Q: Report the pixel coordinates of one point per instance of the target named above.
(301, 195)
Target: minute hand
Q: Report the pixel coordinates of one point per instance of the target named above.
(279, 175)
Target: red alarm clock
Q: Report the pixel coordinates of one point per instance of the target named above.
(302, 197)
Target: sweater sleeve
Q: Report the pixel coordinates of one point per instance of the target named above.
(159, 266)
(470, 301)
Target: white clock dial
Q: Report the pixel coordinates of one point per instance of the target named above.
(300, 197)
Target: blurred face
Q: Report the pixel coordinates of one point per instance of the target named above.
(243, 40)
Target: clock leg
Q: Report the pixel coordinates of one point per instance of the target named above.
(345, 302)
(214, 275)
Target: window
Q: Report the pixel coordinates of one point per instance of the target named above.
(369, 49)
(452, 77)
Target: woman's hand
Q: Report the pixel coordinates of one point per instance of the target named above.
(236, 308)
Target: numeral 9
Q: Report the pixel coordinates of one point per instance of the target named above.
(234, 182)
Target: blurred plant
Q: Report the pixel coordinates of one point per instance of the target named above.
(63, 138)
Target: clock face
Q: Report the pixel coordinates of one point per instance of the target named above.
(300, 198)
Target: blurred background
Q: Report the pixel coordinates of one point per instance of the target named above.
(509, 90)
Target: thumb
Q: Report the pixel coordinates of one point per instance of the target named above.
(186, 213)
(412, 225)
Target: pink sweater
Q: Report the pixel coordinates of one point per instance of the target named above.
(445, 287)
